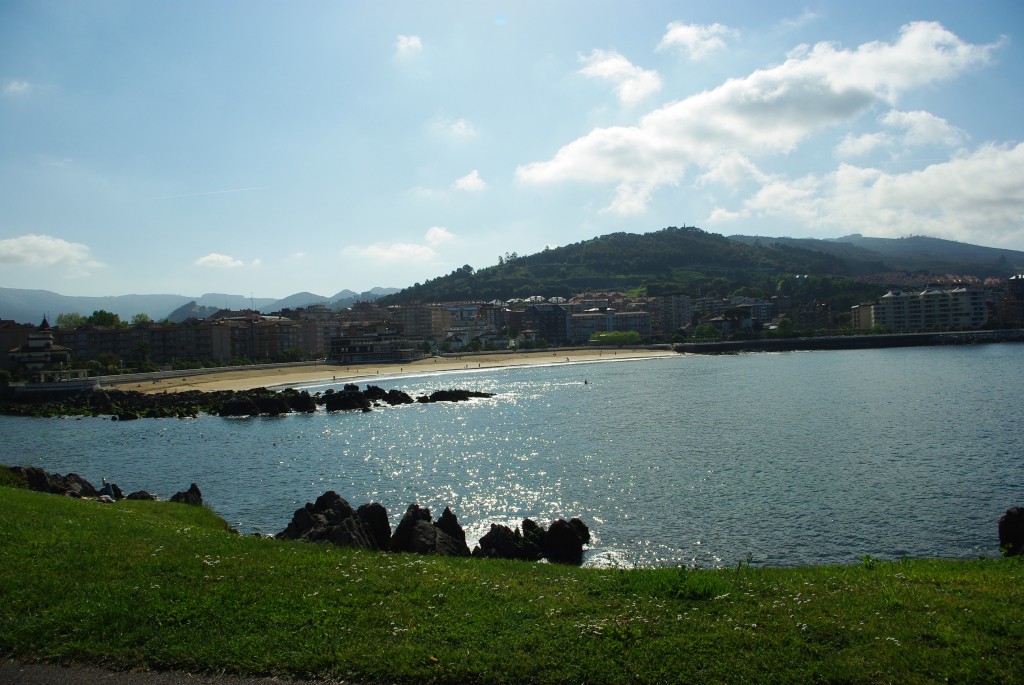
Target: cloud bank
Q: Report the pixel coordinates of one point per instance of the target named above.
(769, 112)
(44, 251)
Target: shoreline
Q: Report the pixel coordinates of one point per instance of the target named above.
(330, 373)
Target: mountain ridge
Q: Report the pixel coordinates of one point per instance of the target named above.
(30, 306)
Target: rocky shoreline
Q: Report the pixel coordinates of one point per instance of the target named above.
(127, 405)
(332, 520)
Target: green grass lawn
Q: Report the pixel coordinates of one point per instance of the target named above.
(163, 586)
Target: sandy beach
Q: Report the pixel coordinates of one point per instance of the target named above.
(246, 379)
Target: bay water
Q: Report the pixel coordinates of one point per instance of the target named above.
(783, 459)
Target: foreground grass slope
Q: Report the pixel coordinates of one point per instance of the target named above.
(163, 586)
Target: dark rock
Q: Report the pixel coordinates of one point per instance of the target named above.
(239, 405)
(533, 540)
(142, 495)
(350, 532)
(344, 401)
(564, 541)
(1011, 532)
(128, 416)
(500, 542)
(402, 538)
(375, 517)
(191, 496)
(415, 533)
(272, 405)
(398, 397)
(76, 486)
(454, 395)
(302, 402)
(39, 480)
(331, 519)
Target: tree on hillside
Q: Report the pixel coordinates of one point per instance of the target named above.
(141, 317)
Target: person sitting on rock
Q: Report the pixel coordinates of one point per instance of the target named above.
(107, 489)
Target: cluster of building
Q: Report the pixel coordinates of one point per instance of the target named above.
(369, 332)
(962, 307)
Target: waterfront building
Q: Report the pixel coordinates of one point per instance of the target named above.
(374, 348)
(963, 307)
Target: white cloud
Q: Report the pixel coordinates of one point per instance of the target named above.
(865, 144)
(33, 250)
(436, 235)
(632, 83)
(408, 46)
(923, 128)
(15, 88)
(393, 252)
(732, 170)
(905, 130)
(965, 198)
(770, 111)
(470, 182)
(462, 129)
(397, 253)
(256, 263)
(219, 261)
(697, 40)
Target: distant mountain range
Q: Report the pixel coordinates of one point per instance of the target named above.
(30, 306)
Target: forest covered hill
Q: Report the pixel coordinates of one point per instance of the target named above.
(697, 262)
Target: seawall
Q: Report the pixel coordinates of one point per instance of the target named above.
(852, 342)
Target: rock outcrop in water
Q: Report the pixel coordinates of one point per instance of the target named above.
(130, 405)
(562, 542)
(332, 519)
(1011, 532)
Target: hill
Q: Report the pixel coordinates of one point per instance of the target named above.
(694, 261)
(914, 253)
(30, 306)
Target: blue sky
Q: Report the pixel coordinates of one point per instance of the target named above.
(272, 148)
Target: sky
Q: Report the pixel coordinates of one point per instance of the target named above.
(266, 148)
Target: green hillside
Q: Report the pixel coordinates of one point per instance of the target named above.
(694, 261)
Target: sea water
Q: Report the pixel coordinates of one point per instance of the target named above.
(785, 459)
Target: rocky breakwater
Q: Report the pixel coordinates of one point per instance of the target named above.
(131, 405)
(332, 519)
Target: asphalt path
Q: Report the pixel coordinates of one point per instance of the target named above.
(14, 673)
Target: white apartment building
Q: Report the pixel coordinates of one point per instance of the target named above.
(932, 308)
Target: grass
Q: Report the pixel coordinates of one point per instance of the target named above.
(163, 586)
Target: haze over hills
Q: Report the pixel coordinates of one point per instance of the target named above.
(30, 306)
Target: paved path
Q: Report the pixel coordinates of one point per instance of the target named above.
(13, 673)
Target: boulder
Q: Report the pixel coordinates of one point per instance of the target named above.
(345, 401)
(564, 541)
(375, 517)
(454, 395)
(141, 495)
(302, 402)
(191, 496)
(239, 405)
(272, 405)
(331, 519)
(500, 542)
(1011, 532)
(415, 533)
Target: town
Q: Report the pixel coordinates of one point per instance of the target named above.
(369, 332)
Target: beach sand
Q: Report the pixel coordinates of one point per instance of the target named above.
(258, 377)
